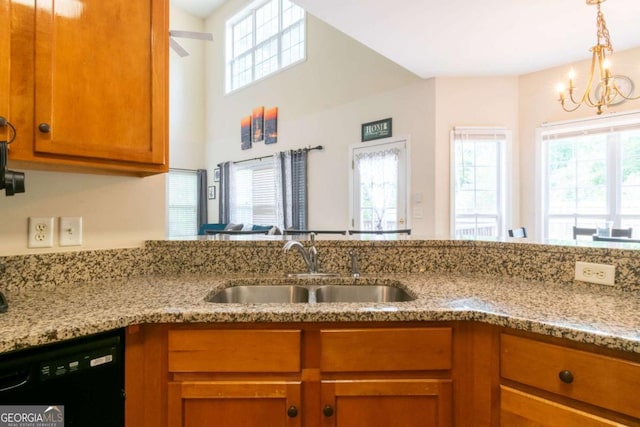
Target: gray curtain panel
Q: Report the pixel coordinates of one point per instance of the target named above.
(299, 189)
(224, 204)
(292, 188)
(202, 216)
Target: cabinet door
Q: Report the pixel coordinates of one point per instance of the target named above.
(386, 403)
(101, 79)
(519, 409)
(234, 403)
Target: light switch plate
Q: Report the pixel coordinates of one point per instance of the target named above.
(70, 231)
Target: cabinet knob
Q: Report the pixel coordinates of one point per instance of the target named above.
(566, 376)
(44, 127)
(292, 412)
(327, 411)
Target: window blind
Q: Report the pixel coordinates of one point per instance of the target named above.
(182, 203)
(254, 194)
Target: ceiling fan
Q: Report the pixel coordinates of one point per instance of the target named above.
(189, 35)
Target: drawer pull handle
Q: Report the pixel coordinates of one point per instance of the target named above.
(327, 411)
(566, 376)
(44, 127)
(292, 412)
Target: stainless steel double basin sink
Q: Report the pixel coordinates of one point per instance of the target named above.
(310, 293)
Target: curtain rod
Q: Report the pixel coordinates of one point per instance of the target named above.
(309, 148)
(186, 170)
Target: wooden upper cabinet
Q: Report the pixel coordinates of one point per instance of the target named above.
(98, 96)
(5, 46)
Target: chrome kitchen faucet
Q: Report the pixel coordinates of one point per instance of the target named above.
(310, 255)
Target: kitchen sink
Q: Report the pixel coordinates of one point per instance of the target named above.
(252, 294)
(361, 293)
(309, 293)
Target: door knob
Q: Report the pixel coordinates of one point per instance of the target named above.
(44, 127)
(292, 412)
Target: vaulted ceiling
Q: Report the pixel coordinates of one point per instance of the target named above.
(470, 37)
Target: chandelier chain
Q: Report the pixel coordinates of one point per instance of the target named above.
(603, 32)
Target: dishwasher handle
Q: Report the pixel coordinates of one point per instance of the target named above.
(14, 380)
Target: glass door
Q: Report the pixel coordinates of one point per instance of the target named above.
(379, 186)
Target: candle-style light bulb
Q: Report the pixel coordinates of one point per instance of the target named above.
(560, 88)
(572, 77)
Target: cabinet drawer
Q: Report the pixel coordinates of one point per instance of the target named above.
(599, 380)
(522, 409)
(234, 350)
(401, 349)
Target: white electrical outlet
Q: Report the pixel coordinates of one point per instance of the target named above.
(602, 274)
(70, 231)
(40, 232)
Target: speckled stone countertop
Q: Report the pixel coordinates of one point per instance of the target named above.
(604, 316)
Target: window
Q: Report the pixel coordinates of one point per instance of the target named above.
(479, 182)
(182, 203)
(591, 173)
(266, 191)
(379, 182)
(262, 39)
(254, 193)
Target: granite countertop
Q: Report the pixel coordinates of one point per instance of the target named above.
(599, 315)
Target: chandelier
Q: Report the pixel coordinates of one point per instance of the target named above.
(602, 88)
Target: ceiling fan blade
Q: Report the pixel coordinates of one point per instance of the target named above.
(177, 48)
(191, 35)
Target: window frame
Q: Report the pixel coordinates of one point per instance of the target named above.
(230, 56)
(504, 190)
(614, 122)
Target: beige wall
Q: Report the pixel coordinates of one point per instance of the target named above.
(321, 101)
(538, 104)
(473, 102)
(341, 85)
(117, 212)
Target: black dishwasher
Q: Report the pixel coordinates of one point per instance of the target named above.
(84, 377)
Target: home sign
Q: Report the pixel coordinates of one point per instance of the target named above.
(376, 130)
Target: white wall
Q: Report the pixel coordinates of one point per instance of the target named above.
(186, 95)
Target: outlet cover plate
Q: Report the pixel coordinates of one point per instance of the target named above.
(40, 232)
(601, 274)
